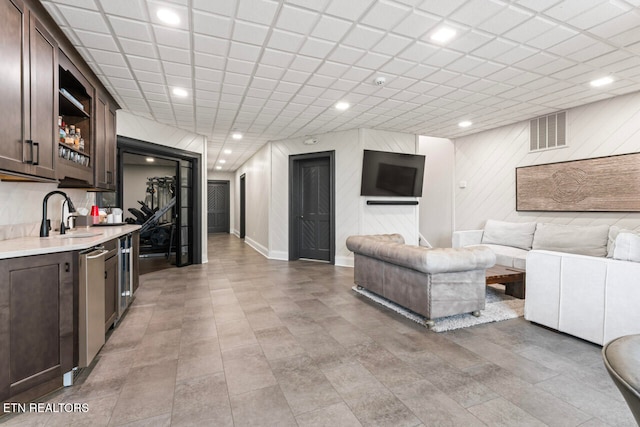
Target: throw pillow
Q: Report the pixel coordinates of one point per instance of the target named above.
(514, 234)
(627, 247)
(589, 240)
(613, 233)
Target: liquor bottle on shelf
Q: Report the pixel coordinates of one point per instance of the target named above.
(61, 127)
(79, 140)
(67, 139)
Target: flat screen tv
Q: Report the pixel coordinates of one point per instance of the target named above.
(392, 174)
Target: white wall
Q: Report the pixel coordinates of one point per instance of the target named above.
(136, 127)
(437, 202)
(257, 172)
(353, 216)
(487, 161)
(231, 177)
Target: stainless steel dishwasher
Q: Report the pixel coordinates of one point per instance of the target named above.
(91, 304)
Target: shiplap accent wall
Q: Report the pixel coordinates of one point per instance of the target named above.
(257, 171)
(143, 129)
(487, 162)
(353, 216)
(437, 204)
(383, 219)
(348, 159)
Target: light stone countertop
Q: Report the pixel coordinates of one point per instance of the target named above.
(25, 246)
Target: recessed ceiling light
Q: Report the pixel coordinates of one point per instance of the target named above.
(236, 135)
(603, 81)
(342, 105)
(227, 151)
(222, 161)
(168, 16)
(465, 124)
(443, 35)
(178, 91)
(219, 168)
(150, 159)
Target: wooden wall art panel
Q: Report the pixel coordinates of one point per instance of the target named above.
(602, 184)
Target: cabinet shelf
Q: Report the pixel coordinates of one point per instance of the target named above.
(69, 108)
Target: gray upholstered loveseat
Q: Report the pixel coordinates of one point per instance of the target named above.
(431, 282)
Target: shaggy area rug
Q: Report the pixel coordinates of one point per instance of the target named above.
(498, 307)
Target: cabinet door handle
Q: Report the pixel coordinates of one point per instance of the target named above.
(30, 142)
(67, 267)
(105, 274)
(37, 144)
(109, 177)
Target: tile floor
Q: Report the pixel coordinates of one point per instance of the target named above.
(246, 341)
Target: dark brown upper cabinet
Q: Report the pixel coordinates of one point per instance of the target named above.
(76, 106)
(105, 165)
(29, 55)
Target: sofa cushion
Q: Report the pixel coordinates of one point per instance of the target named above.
(627, 247)
(514, 234)
(508, 256)
(613, 233)
(589, 240)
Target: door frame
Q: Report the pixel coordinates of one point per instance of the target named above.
(295, 161)
(227, 190)
(144, 148)
(243, 205)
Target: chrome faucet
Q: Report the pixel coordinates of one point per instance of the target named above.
(44, 226)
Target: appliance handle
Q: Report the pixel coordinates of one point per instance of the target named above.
(96, 254)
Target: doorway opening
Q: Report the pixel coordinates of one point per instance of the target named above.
(176, 230)
(312, 206)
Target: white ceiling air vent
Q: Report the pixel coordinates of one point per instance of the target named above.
(548, 132)
(311, 141)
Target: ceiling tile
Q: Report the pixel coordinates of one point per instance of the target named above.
(132, 9)
(258, 11)
(505, 20)
(212, 45)
(363, 37)
(316, 47)
(249, 33)
(595, 16)
(565, 10)
(175, 55)
(474, 12)
(297, 20)
(529, 30)
(211, 24)
(441, 8)
(331, 28)
(392, 44)
(384, 14)
(172, 37)
(225, 8)
(97, 40)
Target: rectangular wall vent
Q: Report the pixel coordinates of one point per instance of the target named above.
(548, 131)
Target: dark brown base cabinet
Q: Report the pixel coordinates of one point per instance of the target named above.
(36, 324)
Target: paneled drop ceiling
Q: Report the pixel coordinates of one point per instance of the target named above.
(275, 69)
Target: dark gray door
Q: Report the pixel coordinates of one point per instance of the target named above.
(218, 207)
(314, 222)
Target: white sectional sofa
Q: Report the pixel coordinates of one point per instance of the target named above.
(584, 281)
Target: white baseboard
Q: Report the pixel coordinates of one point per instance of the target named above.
(257, 246)
(235, 233)
(344, 261)
(279, 255)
